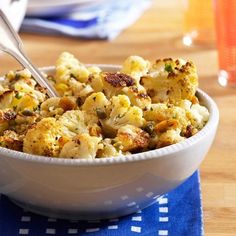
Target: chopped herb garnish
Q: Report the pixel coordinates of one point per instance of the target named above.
(18, 95)
(168, 68)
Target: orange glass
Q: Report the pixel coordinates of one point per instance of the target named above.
(199, 23)
(225, 15)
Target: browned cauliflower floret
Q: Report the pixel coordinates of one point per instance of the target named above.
(161, 112)
(114, 82)
(23, 93)
(18, 101)
(131, 138)
(51, 108)
(23, 83)
(137, 95)
(122, 113)
(82, 146)
(55, 106)
(6, 99)
(171, 80)
(43, 138)
(24, 120)
(12, 140)
(6, 116)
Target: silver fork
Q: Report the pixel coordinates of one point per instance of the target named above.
(11, 43)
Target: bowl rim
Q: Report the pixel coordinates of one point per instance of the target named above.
(212, 123)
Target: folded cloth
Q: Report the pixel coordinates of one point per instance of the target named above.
(102, 21)
(178, 213)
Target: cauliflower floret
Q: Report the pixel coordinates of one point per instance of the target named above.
(82, 146)
(6, 99)
(171, 136)
(13, 76)
(26, 102)
(94, 70)
(114, 82)
(44, 138)
(95, 106)
(79, 89)
(131, 138)
(67, 67)
(73, 123)
(159, 112)
(136, 67)
(170, 81)
(23, 83)
(122, 113)
(96, 82)
(56, 106)
(6, 116)
(108, 150)
(12, 140)
(155, 112)
(27, 86)
(24, 120)
(50, 107)
(2, 89)
(137, 95)
(24, 96)
(199, 115)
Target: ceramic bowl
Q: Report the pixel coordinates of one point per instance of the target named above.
(103, 188)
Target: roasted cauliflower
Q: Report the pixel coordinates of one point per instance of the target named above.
(43, 138)
(122, 113)
(82, 146)
(142, 106)
(131, 138)
(171, 80)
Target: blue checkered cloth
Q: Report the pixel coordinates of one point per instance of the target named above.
(178, 213)
(102, 21)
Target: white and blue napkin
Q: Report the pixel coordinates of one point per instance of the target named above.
(178, 213)
(102, 21)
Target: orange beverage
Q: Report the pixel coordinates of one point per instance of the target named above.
(225, 16)
(198, 23)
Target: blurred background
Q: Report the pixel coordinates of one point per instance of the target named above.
(100, 32)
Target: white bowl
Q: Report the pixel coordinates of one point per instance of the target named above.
(103, 188)
(15, 11)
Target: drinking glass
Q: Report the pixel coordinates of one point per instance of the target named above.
(198, 23)
(225, 17)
